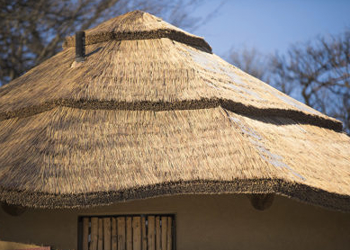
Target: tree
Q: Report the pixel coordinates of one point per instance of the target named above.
(317, 73)
(32, 31)
(250, 61)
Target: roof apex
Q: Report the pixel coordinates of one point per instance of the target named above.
(138, 25)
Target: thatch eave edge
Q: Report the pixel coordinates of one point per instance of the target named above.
(298, 191)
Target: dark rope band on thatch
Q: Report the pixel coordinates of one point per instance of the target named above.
(297, 191)
(297, 116)
(142, 35)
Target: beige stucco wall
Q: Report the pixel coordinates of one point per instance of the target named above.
(216, 222)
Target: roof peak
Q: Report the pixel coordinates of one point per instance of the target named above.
(138, 25)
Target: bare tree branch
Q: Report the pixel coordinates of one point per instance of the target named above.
(32, 31)
(320, 71)
(250, 61)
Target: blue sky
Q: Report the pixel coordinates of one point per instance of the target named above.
(270, 25)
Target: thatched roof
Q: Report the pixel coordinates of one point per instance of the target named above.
(150, 112)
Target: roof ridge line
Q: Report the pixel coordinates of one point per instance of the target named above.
(175, 35)
(239, 108)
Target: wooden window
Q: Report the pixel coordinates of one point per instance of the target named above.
(132, 232)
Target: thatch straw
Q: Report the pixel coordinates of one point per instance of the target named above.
(138, 25)
(150, 117)
(146, 71)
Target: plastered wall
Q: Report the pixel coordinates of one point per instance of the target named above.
(202, 222)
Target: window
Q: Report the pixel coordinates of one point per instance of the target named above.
(132, 232)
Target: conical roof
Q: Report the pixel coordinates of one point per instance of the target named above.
(150, 112)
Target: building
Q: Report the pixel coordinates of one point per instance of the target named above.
(147, 140)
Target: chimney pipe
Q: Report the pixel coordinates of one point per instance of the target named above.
(79, 46)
